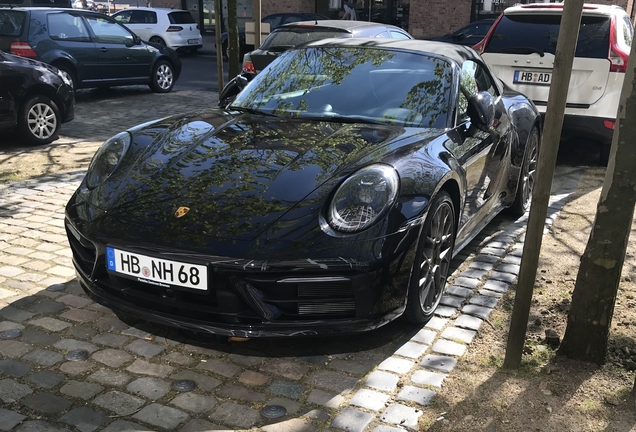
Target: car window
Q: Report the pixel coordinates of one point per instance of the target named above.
(474, 79)
(399, 35)
(11, 22)
(290, 37)
(540, 32)
(180, 17)
(107, 31)
(383, 35)
(124, 17)
(273, 21)
(143, 17)
(64, 26)
(628, 30)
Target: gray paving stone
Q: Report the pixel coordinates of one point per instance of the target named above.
(354, 367)
(479, 265)
(194, 402)
(219, 367)
(144, 348)
(504, 277)
(74, 301)
(369, 399)
(485, 301)
(332, 381)
(10, 325)
(493, 251)
(126, 426)
(451, 301)
(39, 426)
(205, 383)
(315, 414)
(497, 286)
(138, 333)
(44, 357)
(468, 322)
(327, 399)
(178, 359)
(397, 365)
(143, 367)
(11, 391)
(288, 368)
(199, 425)
(445, 311)
(436, 323)
(118, 402)
(288, 389)
(382, 381)
(46, 403)
(458, 334)
(112, 357)
(13, 314)
(401, 415)
(489, 293)
(51, 324)
(425, 336)
(81, 390)
(433, 379)
(478, 311)
(81, 331)
(473, 273)
(110, 339)
(291, 406)
(447, 347)
(412, 350)
(47, 307)
(487, 258)
(291, 425)
(13, 348)
(418, 395)
(9, 419)
(75, 368)
(440, 363)
(235, 415)
(39, 337)
(14, 368)
(509, 268)
(46, 379)
(110, 324)
(74, 344)
(161, 416)
(84, 418)
(466, 282)
(110, 378)
(150, 388)
(512, 260)
(352, 420)
(459, 291)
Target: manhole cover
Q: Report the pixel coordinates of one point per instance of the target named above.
(184, 385)
(10, 334)
(273, 411)
(77, 355)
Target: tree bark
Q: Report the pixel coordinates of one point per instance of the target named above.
(590, 316)
(232, 40)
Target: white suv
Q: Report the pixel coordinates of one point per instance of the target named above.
(520, 50)
(173, 28)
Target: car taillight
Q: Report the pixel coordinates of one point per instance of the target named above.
(248, 66)
(22, 49)
(174, 29)
(617, 57)
(609, 124)
(481, 46)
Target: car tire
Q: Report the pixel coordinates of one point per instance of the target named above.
(68, 72)
(39, 120)
(162, 79)
(157, 40)
(527, 176)
(432, 260)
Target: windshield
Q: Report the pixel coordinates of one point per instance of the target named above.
(290, 37)
(523, 34)
(362, 84)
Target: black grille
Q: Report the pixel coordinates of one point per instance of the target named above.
(84, 251)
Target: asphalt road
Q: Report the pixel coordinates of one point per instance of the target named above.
(199, 73)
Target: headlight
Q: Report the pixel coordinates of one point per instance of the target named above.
(106, 159)
(363, 198)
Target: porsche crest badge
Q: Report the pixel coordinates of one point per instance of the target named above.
(181, 212)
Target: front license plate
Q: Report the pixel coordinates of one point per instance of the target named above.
(523, 77)
(157, 271)
(193, 41)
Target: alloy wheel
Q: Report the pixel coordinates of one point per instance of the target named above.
(529, 169)
(164, 76)
(41, 121)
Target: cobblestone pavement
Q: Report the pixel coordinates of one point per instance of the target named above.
(67, 363)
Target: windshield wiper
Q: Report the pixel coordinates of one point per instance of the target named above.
(251, 111)
(521, 50)
(342, 119)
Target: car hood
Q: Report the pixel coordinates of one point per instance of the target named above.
(237, 173)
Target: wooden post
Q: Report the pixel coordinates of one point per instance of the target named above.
(219, 45)
(256, 12)
(563, 60)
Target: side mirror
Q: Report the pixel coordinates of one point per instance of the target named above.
(460, 36)
(241, 81)
(481, 110)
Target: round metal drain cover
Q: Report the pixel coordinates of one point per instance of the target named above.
(10, 334)
(56, 287)
(273, 411)
(77, 355)
(184, 385)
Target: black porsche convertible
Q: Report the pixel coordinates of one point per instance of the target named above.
(328, 198)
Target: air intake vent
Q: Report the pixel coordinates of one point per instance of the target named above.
(345, 307)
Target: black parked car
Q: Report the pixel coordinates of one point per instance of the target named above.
(34, 97)
(468, 35)
(330, 199)
(290, 35)
(90, 48)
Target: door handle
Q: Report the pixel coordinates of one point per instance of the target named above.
(102, 49)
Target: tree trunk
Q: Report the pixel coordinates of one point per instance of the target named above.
(590, 316)
(232, 40)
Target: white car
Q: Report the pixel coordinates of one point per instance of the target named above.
(520, 50)
(173, 28)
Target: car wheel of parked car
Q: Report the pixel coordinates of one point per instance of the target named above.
(157, 40)
(432, 262)
(162, 79)
(68, 73)
(40, 120)
(528, 175)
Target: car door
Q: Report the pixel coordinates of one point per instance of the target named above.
(481, 154)
(120, 58)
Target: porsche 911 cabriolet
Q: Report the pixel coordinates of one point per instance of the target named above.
(329, 198)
